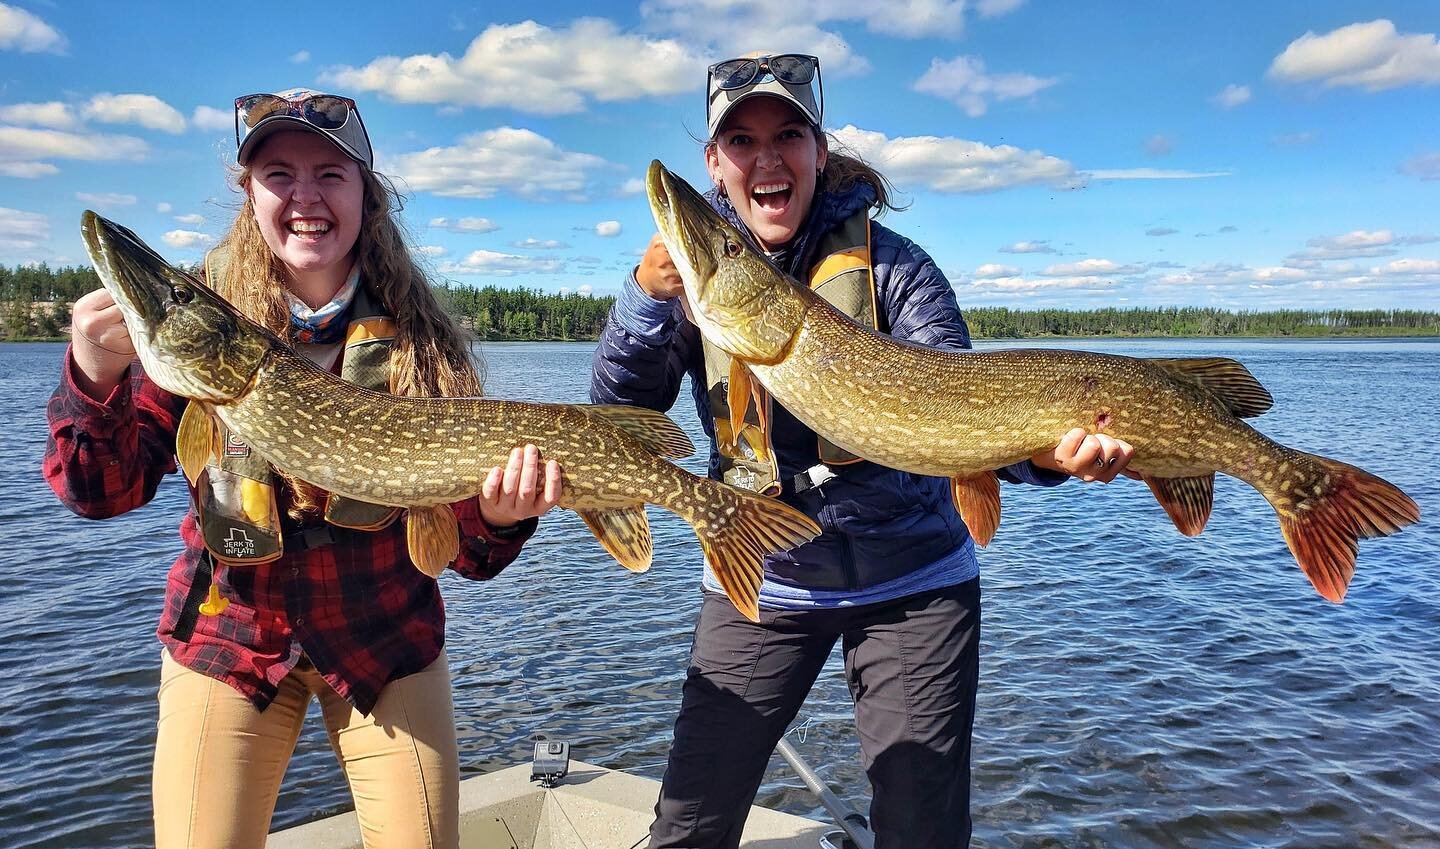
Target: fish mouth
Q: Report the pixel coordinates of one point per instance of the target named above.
(134, 275)
(681, 214)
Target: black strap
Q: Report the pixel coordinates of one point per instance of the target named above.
(319, 536)
(809, 479)
(199, 589)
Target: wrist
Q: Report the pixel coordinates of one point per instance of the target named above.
(98, 372)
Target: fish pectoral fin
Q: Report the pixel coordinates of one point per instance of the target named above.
(433, 536)
(1186, 500)
(1226, 379)
(194, 441)
(977, 497)
(625, 533)
(654, 429)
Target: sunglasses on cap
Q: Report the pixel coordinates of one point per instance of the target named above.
(791, 68)
(329, 113)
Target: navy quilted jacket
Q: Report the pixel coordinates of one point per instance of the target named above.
(879, 523)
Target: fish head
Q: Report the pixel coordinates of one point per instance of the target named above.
(191, 341)
(738, 298)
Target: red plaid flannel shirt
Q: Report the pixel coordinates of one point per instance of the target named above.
(358, 608)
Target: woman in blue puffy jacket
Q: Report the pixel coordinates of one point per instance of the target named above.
(893, 576)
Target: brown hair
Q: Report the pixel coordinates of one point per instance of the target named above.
(431, 357)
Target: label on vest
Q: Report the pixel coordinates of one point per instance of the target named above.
(239, 544)
(234, 447)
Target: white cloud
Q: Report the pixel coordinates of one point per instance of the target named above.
(1151, 174)
(212, 119)
(1232, 95)
(194, 219)
(431, 250)
(162, 207)
(1040, 247)
(996, 270)
(1426, 166)
(1352, 245)
(54, 114)
(22, 31)
(1409, 266)
(531, 243)
(300, 56)
(953, 165)
(505, 159)
(1161, 231)
(1372, 56)
(465, 225)
(963, 81)
(632, 186)
(534, 68)
(105, 199)
(147, 110)
(187, 239)
(1019, 284)
(24, 150)
(1159, 145)
(499, 264)
(1091, 267)
(608, 229)
(21, 230)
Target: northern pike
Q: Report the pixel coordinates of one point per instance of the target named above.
(423, 453)
(961, 415)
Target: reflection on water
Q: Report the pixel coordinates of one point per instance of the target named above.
(1138, 688)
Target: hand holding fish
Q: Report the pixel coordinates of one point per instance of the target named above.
(657, 274)
(523, 489)
(100, 344)
(1088, 456)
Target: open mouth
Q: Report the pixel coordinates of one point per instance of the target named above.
(311, 228)
(772, 197)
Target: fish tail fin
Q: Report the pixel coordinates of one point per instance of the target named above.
(1323, 515)
(736, 530)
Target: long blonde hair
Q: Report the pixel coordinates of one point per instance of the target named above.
(431, 356)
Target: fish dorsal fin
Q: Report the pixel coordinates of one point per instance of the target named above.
(654, 429)
(194, 440)
(625, 533)
(1187, 500)
(433, 537)
(978, 499)
(1224, 378)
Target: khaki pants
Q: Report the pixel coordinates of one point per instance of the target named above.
(219, 761)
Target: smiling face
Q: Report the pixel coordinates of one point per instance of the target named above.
(309, 199)
(766, 155)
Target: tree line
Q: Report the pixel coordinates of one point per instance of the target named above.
(35, 303)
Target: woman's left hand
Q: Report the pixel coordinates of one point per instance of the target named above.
(522, 489)
(1088, 456)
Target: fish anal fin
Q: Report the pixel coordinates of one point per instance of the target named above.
(624, 532)
(977, 497)
(1226, 379)
(194, 440)
(433, 536)
(654, 429)
(1186, 500)
(1349, 504)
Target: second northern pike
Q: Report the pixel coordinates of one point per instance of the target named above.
(423, 453)
(961, 415)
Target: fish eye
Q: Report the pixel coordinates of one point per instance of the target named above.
(181, 294)
(732, 249)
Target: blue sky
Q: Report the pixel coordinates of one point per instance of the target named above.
(1241, 155)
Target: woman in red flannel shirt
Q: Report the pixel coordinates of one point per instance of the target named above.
(341, 614)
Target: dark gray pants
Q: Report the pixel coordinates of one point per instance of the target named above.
(912, 665)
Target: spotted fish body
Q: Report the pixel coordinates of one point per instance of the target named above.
(424, 453)
(962, 415)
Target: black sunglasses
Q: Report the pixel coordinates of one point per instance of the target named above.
(324, 111)
(791, 68)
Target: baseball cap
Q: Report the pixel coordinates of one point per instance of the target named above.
(792, 77)
(337, 118)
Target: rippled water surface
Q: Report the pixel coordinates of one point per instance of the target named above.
(1138, 689)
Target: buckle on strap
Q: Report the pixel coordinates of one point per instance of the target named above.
(308, 538)
(812, 478)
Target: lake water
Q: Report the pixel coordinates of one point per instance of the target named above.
(1138, 688)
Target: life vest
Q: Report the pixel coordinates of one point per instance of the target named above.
(842, 276)
(234, 495)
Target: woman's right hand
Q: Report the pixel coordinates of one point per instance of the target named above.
(100, 344)
(657, 275)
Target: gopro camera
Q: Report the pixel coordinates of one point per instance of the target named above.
(551, 762)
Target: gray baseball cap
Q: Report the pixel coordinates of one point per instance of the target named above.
(259, 116)
(792, 77)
